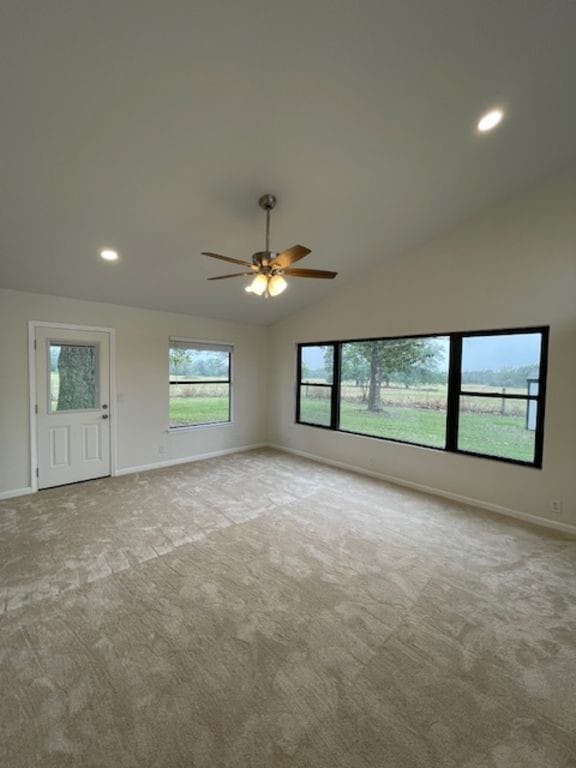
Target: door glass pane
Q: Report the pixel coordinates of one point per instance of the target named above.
(501, 427)
(396, 388)
(503, 363)
(73, 376)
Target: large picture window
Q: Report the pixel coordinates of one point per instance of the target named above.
(395, 388)
(200, 381)
(480, 393)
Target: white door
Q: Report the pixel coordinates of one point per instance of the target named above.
(73, 405)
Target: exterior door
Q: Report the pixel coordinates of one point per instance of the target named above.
(73, 405)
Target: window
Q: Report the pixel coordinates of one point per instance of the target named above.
(316, 377)
(479, 393)
(200, 383)
(499, 401)
(395, 388)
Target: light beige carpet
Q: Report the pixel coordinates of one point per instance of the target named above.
(264, 611)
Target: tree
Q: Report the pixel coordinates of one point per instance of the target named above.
(190, 363)
(216, 365)
(419, 375)
(77, 377)
(178, 361)
(501, 377)
(325, 374)
(356, 367)
(382, 359)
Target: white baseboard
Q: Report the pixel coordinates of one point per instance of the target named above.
(15, 492)
(188, 459)
(533, 519)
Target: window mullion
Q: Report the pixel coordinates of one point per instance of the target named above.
(336, 373)
(542, 379)
(298, 381)
(454, 385)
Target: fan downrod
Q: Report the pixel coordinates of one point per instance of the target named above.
(267, 202)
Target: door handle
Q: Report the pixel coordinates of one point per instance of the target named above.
(105, 416)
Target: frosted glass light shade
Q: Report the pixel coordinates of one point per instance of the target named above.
(276, 285)
(259, 284)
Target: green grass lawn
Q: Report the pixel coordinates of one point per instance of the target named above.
(489, 433)
(186, 411)
(412, 424)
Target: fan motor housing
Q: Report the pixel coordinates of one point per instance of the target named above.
(263, 258)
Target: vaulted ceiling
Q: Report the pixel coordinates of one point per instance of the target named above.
(154, 127)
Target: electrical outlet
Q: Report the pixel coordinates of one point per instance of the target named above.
(161, 450)
(372, 461)
(556, 506)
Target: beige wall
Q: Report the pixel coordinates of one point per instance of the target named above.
(513, 265)
(142, 384)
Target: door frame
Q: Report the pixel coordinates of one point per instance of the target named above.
(32, 389)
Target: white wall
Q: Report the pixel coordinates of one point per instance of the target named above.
(513, 265)
(142, 380)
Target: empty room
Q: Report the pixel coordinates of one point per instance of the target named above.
(288, 384)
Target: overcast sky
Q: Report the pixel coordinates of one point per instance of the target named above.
(478, 352)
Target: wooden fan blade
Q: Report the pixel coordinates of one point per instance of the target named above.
(226, 258)
(235, 274)
(289, 256)
(310, 273)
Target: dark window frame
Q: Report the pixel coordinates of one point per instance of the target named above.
(227, 381)
(454, 389)
(326, 385)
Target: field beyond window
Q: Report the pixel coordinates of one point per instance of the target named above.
(199, 387)
(395, 389)
(415, 390)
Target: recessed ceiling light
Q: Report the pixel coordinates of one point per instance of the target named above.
(109, 255)
(490, 120)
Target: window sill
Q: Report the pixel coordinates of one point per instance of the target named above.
(195, 427)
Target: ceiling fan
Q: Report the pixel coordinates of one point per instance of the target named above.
(268, 267)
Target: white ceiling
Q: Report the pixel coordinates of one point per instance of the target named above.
(153, 128)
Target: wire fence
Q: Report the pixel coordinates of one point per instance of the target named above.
(425, 397)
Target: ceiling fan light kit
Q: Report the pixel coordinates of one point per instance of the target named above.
(268, 267)
(259, 285)
(276, 284)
